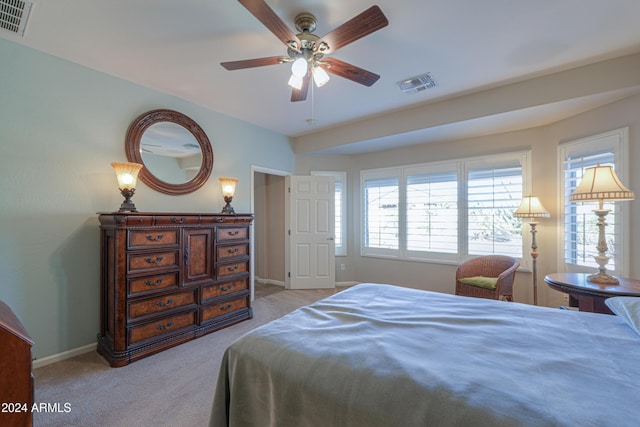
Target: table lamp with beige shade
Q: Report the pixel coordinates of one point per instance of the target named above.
(600, 183)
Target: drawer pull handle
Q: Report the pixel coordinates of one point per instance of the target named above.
(150, 283)
(224, 288)
(155, 238)
(154, 261)
(164, 327)
(165, 304)
(226, 307)
(218, 219)
(232, 251)
(234, 232)
(181, 220)
(233, 268)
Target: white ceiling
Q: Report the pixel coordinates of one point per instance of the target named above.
(467, 45)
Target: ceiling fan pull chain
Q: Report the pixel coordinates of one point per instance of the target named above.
(312, 122)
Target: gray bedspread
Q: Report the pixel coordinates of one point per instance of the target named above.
(382, 355)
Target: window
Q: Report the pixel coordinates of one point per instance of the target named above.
(493, 194)
(381, 205)
(580, 230)
(432, 203)
(444, 211)
(340, 209)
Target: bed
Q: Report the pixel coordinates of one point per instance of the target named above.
(382, 355)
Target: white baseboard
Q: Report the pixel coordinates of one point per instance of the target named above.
(345, 284)
(39, 363)
(279, 283)
(269, 281)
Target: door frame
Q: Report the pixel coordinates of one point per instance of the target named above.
(257, 169)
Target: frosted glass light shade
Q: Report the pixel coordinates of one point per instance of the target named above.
(320, 76)
(228, 186)
(126, 174)
(295, 82)
(299, 67)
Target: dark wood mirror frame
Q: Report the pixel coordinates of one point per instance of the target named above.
(132, 147)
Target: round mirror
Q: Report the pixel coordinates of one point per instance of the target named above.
(176, 153)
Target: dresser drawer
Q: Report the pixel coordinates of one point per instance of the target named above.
(152, 238)
(224, 252)
(140, 220)
(232, 233)
(159, 304)
(216, 310)
(177, 220)
(137, 262)
(220, 289)
(153, 283)
(162, 326)
(226, 270)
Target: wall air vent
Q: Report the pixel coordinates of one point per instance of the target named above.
(14, 15)
(417, 84)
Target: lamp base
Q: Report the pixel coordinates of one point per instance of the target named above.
(127, 205)
(127, 208)
(603, 278)
(228, 209)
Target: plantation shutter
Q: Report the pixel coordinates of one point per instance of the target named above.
(493, 194)
(382, 200)
(432, 212)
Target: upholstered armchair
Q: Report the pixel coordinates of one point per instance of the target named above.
(489, 276)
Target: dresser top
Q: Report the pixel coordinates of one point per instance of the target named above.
(150, 219)
(175, 214)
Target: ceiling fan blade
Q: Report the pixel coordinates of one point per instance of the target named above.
(357, 27)
(301, 95)
(351, 72)
(251, 63)
(269, 19)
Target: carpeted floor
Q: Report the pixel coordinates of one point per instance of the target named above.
(171, 388)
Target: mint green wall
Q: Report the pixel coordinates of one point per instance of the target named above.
(61, 125)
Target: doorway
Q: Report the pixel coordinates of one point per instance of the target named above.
(268, 191)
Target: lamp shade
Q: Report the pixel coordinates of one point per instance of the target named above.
(600, 183)
(530, 207)
(127, 174)
(295, 82)
(320, 76)
(299, 68)
(228, 186)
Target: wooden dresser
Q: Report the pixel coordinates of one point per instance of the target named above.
(16, 379)
(167, 278)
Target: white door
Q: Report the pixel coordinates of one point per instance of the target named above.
(310, 232)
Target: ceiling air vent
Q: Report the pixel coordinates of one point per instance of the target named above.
(417, 84)
(14, 15)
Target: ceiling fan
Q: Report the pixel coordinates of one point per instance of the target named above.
(306, 51)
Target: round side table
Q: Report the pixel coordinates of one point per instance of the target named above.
(589, 296)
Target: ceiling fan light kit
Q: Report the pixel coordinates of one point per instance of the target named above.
(307, 51)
